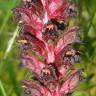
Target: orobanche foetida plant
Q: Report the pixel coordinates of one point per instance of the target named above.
(45, 33)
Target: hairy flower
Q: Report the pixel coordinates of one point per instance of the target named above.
(35, 16)
(35, 88)
(58, 61)
(45, 31)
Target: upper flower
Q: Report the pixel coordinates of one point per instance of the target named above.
(35, 15)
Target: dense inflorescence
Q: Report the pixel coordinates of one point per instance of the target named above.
(45, 33)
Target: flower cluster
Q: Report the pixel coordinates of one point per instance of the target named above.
(45, 33)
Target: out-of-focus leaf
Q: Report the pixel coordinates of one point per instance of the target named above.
(11, 3)
(10, 43)
(2, 89)
(78, 93)
(12, 76)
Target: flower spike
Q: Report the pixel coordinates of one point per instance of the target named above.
(46, 33)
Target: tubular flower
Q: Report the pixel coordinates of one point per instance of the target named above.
(45, 33)
(34, 15)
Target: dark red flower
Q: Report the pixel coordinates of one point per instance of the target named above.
(56, 64)
(35, 88)
(35, 16)
(45, 31)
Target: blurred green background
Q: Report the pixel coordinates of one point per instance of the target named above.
(11, 71)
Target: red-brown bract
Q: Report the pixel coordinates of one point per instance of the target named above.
(39, 34)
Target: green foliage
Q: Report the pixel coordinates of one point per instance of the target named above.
(11, 71)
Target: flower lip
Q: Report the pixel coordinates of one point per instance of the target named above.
(61, 25)
(49, 73)
(72, 10)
